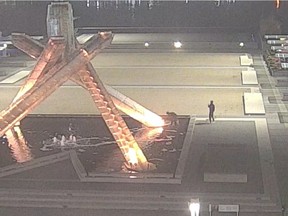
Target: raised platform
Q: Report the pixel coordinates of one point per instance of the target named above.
(249, 77)
(97, 159)
(253, 104)
(246, 60)
(146, 177)
(231, 164)
(231, 154)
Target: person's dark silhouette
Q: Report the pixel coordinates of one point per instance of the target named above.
(173, 118)
(211, 107)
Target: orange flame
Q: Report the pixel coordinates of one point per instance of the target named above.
(154, 120)
(132, 156)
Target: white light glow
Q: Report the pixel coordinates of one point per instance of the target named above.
(177, 44)
(241, 44)
(3, 47)
(194, 208)
(132, 156)
(146, 44)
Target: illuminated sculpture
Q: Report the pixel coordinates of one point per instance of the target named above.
(64, 58)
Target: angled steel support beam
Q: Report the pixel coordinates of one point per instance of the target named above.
(123, 103)
(127, 105)
(134, 109)
(57, 62)
(25, 43)
(48, 58)
(114, 121)
(50, 82)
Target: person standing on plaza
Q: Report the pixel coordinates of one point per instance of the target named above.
(211, 107)
(172, 116)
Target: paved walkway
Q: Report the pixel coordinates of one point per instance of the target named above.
(180, 82)
(278, 131)
(16, 77)
(168, 86)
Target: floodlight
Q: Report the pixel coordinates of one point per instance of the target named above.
(194, 207)
(177, 44)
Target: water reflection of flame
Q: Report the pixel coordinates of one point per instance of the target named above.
(18, 145)
(148, 134)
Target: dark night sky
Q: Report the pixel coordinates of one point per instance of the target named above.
(30, 18)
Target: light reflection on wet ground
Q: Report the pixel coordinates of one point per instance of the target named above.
(19, 148)
(101, 154)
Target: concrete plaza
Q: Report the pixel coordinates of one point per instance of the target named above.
(250, 146)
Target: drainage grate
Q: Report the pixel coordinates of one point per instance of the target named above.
(272, 100)
(282, 83)
(283, 117)
(266, 86)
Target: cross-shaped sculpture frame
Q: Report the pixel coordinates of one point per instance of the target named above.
(64, 58)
